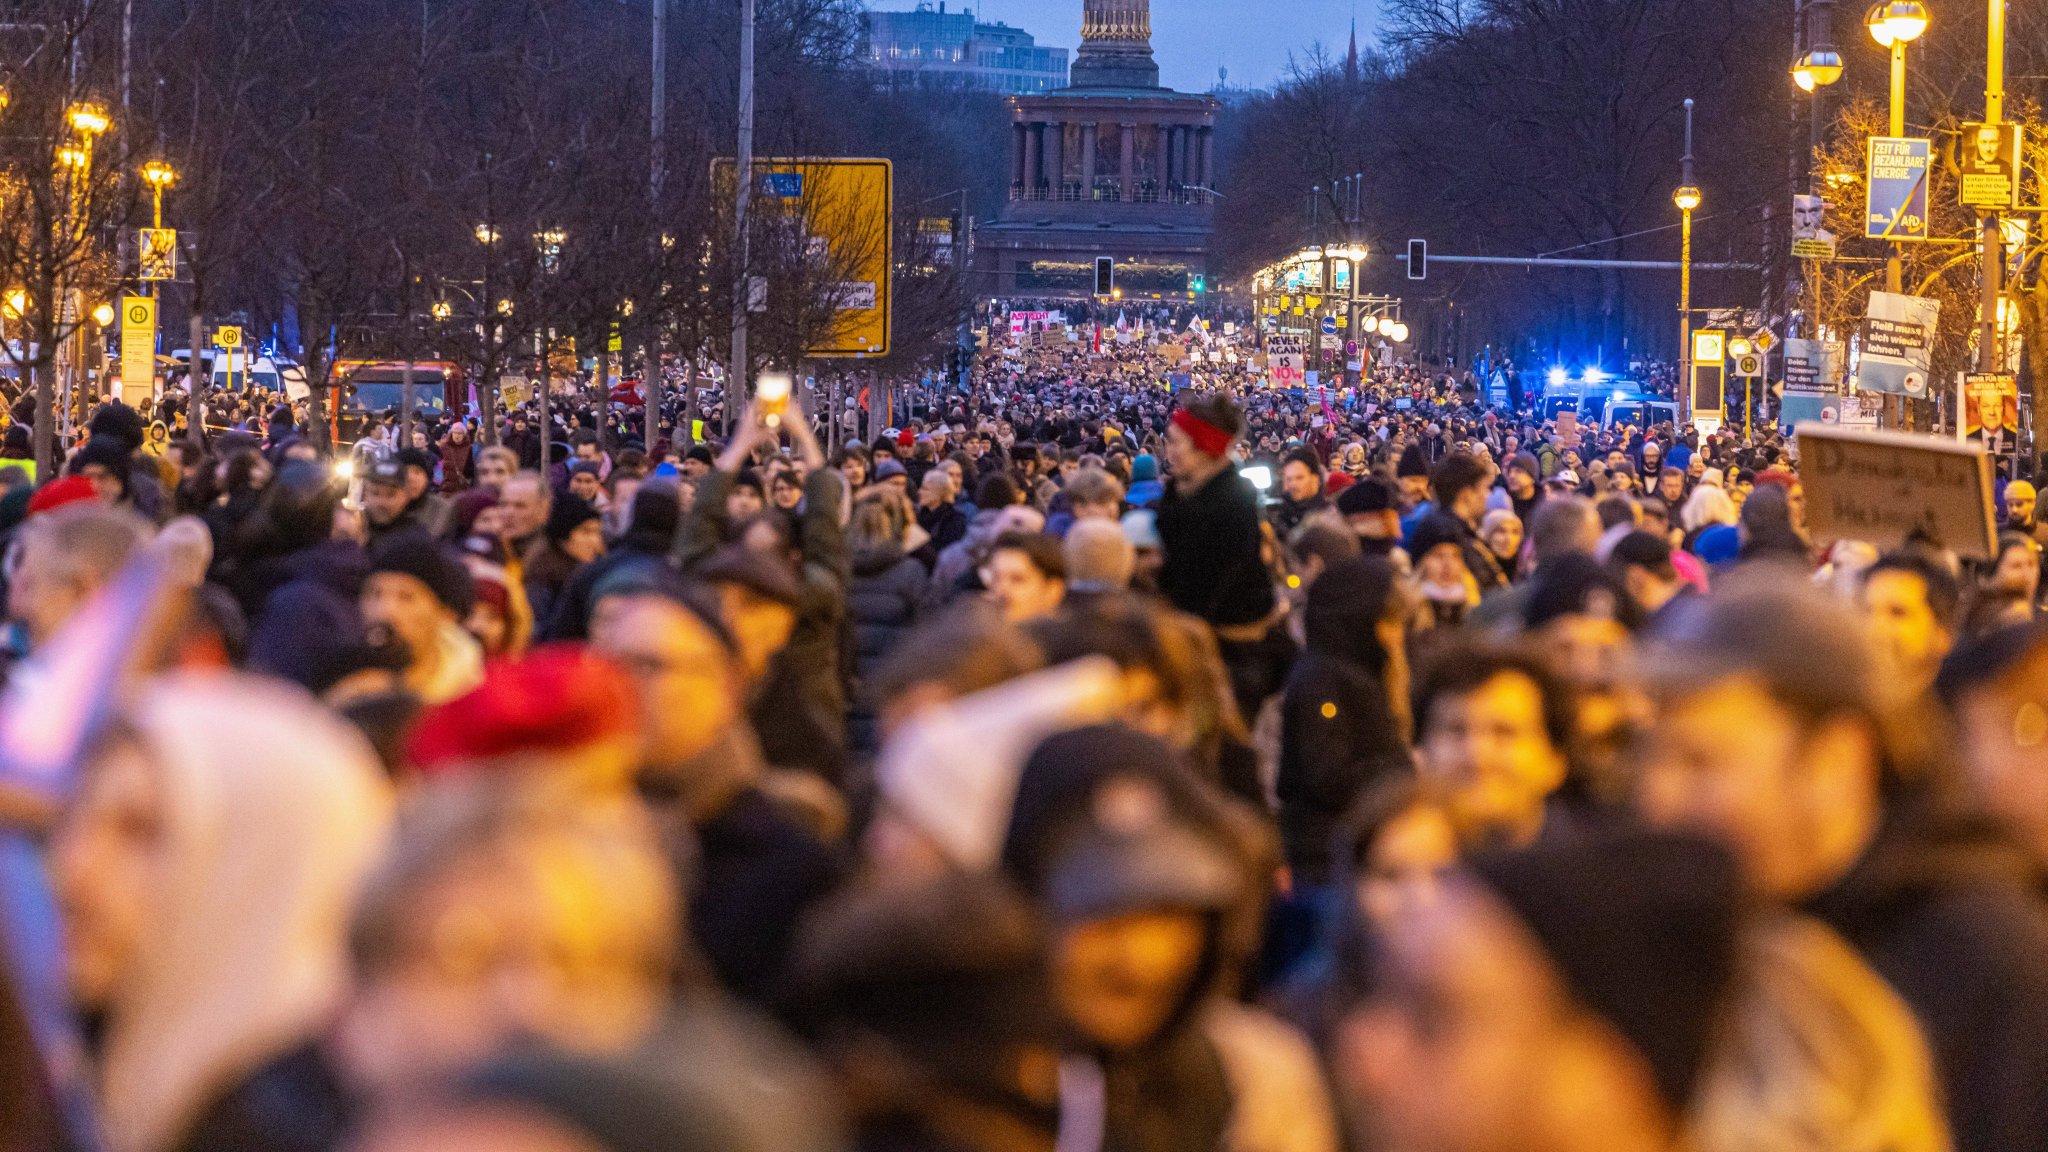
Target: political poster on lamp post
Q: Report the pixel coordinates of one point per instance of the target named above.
(1990, 162)
(1898, 342)
(1895, 198)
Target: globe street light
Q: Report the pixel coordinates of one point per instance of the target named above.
(1817, 69)
(1897, 21)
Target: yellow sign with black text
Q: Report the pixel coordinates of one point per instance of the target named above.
(138, 349)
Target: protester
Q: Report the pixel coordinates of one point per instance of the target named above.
(1018, 766)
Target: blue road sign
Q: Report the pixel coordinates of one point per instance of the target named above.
(1329, 325)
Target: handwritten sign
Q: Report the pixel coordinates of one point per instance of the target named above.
(1885, 488)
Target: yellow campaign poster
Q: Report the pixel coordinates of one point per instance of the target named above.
(838, 212)
(138, 349)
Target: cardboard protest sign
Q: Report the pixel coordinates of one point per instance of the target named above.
(1885, 488)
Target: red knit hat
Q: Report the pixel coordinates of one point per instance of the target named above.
(1337, 482)
(560, 698)
(58, 493)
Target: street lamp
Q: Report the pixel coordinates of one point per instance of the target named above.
(442, 310)
(1817, 69)
(159, 176)
(1897, 21)
(103, 315)
(1687, 198)
(485, 234)
(88, 120)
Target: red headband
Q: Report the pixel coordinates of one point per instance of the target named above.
(1207, 437)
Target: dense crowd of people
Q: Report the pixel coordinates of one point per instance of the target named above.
(1106, 754)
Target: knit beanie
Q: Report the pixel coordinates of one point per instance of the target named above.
(421, 557)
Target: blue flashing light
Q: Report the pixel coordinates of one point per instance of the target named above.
(1559, 377)
(1593, 375)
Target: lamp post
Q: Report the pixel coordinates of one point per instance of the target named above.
(1687, 197)
(1988, 359)
(1894, 24)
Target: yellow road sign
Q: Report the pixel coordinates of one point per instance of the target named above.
(138, 349)
(227, 336)
(844, 209)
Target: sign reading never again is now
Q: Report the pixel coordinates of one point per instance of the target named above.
(1886, 488)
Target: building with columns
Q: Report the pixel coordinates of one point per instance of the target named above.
(1112, 165)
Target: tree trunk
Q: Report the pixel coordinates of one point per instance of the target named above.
(46, 421)
(195, 403)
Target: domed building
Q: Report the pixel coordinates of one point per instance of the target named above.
(1112, 165)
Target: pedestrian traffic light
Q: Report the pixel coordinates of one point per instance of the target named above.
(1201, 284)
(1105, 276)
(1418, 259)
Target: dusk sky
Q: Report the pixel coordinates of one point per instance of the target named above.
(1192, 38)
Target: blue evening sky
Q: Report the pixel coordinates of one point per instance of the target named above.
(1192, 38)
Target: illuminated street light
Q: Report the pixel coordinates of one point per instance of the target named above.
(159, 176)
(485, 234)
(103, 315)
(71, 157)
(1395, 330)
(88, 120)
(1897, 21)
(1370, 324)
(1817, 69)
(505, 307)
(16, 304)
(1687, 197)
(442, 310)
(1352, 252)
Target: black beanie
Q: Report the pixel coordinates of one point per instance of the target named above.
(118, 422)
(1643, 926)
(420, 556)
(568, 514)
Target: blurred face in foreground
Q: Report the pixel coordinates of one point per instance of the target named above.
(1490, 754)
(1797, 802)
(1909, 636)
(405, 605)
(1118, 980)
(687, 695)
(106, 862)
(1023, 592)
(1406, 865)
(2005, 743)
(1471, 1043)
(553, 933)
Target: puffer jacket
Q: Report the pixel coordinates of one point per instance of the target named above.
(882, 604)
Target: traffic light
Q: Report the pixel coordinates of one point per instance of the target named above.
(1418, 259)
(1105, 276)
(1201, 284)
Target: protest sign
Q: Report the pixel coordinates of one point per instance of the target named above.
(1885, 488)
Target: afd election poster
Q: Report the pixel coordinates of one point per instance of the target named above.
(1897, 341)
(1895, 202)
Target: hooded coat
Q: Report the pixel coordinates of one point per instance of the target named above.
(1338, 735)
(273, 811)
